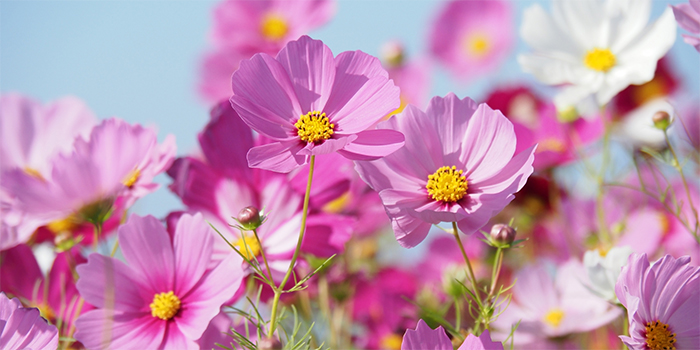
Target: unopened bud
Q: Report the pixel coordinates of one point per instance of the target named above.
(662, 120)
(502, 234)
(249, 218)
(269, 344)
(393, 53)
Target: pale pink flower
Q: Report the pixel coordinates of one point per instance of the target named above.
(458, 165)
(425, 338)
(473, 38)
(552, 302)
(164, 296)
(23, 328)
(116, 164)
(662, 301)
(31, 135)
(310, 103)
(688, 17)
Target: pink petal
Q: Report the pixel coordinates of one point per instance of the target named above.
(425, 338)
(452, 118)
(373, 144)
(105, 329)
(409, 231)
(281, 157)
(482, 342)
(147, 249)
(264, 96)
(192, 244)
(226, 140)
(490, 146)
(105, 281)
(24, 328)
(19, 282)
(310, 66)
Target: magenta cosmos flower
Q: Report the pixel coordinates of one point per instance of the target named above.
(425, 338)
(458, 165)
(472, 37)
(31, 135)
(309, 103)
(164, 296)
(662, 301)
(688, 17)
(23, 328)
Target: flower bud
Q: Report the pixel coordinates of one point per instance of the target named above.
(269, 344)
(249, 218)
(393, 53)
(662, 120)
(502, 234)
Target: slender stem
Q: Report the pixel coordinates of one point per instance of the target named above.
(498, 262)
(458, 314)
(305, 211)
(678, 167)
(455, 232)
(262, 253)
(97, 232)
(116, 246)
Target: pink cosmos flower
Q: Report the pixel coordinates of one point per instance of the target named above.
(688, 17)
(31, 135)
(472, 38)
(164, 296)
(309, 102)
(662, 301)
(458, 165)
(412, 76)
(54, 295)
(243, 28)
(116, 165)
(552, 302)
(23, 328)
(425, 338)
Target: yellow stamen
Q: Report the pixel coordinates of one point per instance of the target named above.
(69, 224)
(33, 172)
(131, 179)
(314, 127)
(274, 27)
(248, 246)
(391, 342)
(601, 60)
(554, 317)
(165, 305)
(447, 184)
(46, 311)
(659, 336)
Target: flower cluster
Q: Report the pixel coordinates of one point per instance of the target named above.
(541, 219)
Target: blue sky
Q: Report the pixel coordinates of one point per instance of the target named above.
(138, 60)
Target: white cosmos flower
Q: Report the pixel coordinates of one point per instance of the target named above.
(604, 269)
(595, 47)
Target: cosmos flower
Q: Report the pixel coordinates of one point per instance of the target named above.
(662, 301)
(116, 165)
(552, 302)
(309, 103)
(412, 76)
(31, 135)
(688, 17)
(458, 165)
(472, 38)
(54, 295)
(598, 48)
(164, 296)
(243, 28)
(603, 269)
(23, 328)
(424, 338)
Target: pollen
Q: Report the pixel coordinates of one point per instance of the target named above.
(659, 336)
(447, 184)
(165, 305)
(131, 179)
(554, 317)
(314, 127)
(248, 246)
(274, 27)
(601, 60)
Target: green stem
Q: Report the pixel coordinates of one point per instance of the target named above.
(262, 253)
(97, 232)
(498, 262)
(472, 277)
(305, 210)
(677, 165)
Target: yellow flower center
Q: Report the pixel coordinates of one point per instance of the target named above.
(69, 224)
(46, 311)
(447, 184)
(476, 45)
(599, 59)
(165, 305)
(131, 179)
(554, 317)
(248, 246)
(274, 27)
(391, 342)
(314, 127)
(659, 337)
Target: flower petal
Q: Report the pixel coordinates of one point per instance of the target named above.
(373, 144)
(281, 157)
(147, 249)
(193, 244)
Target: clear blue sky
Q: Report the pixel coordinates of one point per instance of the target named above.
(138, 60)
